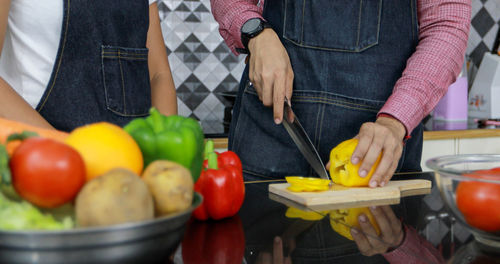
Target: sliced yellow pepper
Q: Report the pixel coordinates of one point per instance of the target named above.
(344, 219)
(293, 212)
(307, 184)
(342, 170)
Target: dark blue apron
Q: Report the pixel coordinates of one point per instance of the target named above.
(101, 69)
(347, 56)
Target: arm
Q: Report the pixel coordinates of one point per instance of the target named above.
(414, 249)
(444, 27)
(231, 15)
(443, 34)
(12, 105)
(162, 85)
(406, 244)
(270, 70)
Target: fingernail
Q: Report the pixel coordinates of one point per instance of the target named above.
(277, 121)
(355, 160)
(373, 184)
(373, 208)
(362, 173)
(382, 184)
(277, 240)
(362, 218)
(354, 231)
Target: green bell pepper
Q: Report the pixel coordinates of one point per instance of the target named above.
(175, 138)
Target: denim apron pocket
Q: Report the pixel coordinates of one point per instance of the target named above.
(305, 26)
(125, 75)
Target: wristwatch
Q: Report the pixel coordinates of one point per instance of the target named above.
(250, 29)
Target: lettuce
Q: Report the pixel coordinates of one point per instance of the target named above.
(24, 216)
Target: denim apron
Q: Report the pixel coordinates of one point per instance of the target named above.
(346, 56)
(101, 69)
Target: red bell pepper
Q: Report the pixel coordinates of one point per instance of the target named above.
(221, 184)
(214, 242)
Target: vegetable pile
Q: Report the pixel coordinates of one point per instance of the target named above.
(105, 174)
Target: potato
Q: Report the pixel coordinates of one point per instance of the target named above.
(118, 196)
(171, 185)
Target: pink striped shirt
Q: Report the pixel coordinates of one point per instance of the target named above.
(437, 61)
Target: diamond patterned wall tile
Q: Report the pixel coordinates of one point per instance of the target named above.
(484, 28)
(200, 61)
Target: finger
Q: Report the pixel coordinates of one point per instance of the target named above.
(267, 90)
(392, 169)
(365, 137)
(393, 220)
(265, 258)
(370, 232)
(328, 166)
(279, 97)
(385, 163)
(278, 251)
(289, 83)
(370, 158)
(362, 242)
(382, 221)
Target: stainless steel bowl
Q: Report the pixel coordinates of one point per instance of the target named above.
(450, 172)
(94, 245)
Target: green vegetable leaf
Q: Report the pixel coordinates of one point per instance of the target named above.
(25, 216)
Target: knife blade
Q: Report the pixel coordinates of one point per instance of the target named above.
(299, 136)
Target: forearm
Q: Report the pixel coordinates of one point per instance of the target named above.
(14, 107)
(231, 15)
(162, 85)
(163, 93)
(443, 34)
(414, 249)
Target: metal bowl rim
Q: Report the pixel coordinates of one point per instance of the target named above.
(197, 200)
(436, 163)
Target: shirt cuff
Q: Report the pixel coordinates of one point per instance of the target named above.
(412, 250)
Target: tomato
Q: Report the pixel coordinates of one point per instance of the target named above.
(47, 173)
(479, 201)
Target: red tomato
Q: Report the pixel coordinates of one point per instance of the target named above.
(47, 173)
(479, 201)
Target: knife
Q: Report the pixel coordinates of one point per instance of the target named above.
(299, 136)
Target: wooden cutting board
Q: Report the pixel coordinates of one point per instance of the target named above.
(340, 195)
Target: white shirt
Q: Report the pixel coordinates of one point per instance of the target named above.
(30, 46)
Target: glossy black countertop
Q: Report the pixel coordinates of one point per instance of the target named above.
(266, 230)
(272, 234)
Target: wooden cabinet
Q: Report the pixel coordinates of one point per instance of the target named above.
(478, 141)
(440, 143)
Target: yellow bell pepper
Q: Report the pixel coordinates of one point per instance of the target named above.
(342, 171)
(307, 184)
(293, 212)
(344, 219)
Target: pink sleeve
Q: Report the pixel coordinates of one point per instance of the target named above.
(414, 250)
(231, 15)
(437, 61)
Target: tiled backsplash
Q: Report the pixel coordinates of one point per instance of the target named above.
(485, 24)
(203, 66)
(201, 63)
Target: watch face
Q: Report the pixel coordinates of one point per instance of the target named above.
(251, 25)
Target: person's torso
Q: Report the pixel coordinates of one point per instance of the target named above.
(79, 61)
(30, 46)
(346, 56)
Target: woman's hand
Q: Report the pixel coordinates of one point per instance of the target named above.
(270, 71)
(384, 135)
(391, 232)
